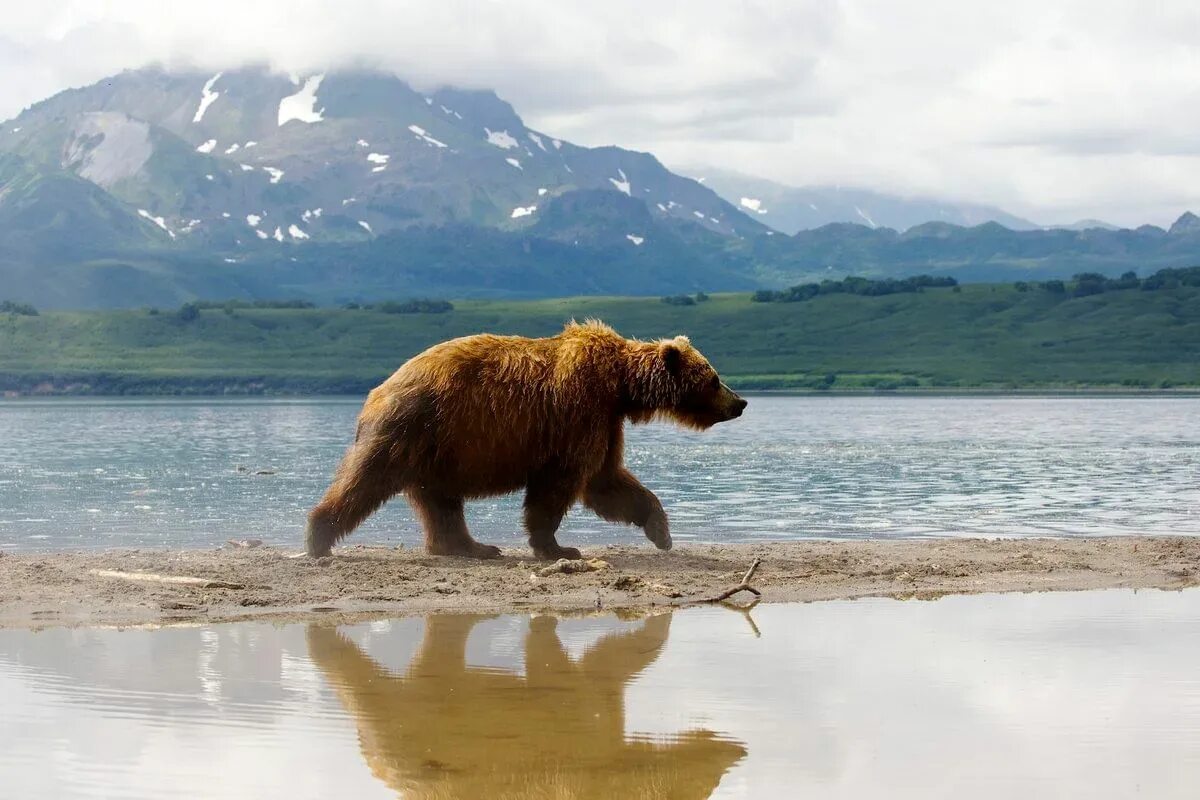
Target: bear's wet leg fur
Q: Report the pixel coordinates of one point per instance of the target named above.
(618, 496)
(445, 526)
(364, 482)
(547, 499)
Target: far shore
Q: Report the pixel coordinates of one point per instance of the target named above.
(163, 587)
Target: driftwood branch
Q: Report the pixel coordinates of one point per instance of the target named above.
(151, 577)
(744, 586)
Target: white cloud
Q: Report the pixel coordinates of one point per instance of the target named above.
(1053, 110)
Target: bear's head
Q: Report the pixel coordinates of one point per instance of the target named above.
(672, 379)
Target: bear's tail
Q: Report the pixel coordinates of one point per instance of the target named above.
(361, 486)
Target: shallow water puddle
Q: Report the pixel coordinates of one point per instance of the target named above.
(1090, 694)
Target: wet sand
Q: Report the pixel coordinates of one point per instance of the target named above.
(236, 583)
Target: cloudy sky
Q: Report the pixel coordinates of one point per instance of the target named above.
(1052, 109)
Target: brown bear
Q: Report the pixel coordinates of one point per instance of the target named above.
(487, 415)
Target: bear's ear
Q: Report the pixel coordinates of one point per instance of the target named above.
(672, 356)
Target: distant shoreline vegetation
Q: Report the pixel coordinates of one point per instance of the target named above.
(21, 309)
(1087, 334)
(860, 286)
(191, 311)
(1082, 284)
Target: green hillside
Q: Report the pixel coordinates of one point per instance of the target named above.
(985, 336)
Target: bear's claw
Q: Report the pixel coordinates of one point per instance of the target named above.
(473, 550)
(658, 531)
(555, 552)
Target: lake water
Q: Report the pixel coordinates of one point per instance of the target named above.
(99, 473)
(1089, 694)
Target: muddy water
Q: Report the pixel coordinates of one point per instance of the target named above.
(1091, 694)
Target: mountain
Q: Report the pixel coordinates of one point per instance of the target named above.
(1086, 224)
(153, 188)
(988, 252)
(789, 209)
(250, 159)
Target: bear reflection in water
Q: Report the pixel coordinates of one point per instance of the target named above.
(446, 730)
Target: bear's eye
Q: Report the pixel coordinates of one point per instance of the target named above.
(714, 383)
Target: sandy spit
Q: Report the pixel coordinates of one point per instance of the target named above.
(72, 589)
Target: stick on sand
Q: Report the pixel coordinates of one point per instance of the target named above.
(744, 586)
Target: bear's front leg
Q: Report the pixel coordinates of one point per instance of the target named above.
(547, 499)
(620, 497)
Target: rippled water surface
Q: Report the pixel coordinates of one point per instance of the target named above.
(98, 473)
(1087, 694)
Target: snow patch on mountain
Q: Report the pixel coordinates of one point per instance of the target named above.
(207, 147)
(302, 106)
(159, 221)
(296, 233)
(277, 235)
(276, 174)
(253, 219)
(537, 140)
(523, 211)
(366, 226)
(207, 97)
(753, 204)
(622, 184)
(424, 136)
(262, 234)
(541, 192)
(515, 163)
(637, 240)
(233, 148)
(865, 216)
(310, 214)
(378, 158)
(363, 143)
(501, 139)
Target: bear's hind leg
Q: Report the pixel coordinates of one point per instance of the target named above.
(361, 486)
(445, 526)
(620, 497)
(546, 503)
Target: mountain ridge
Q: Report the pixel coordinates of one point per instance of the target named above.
(155, 188)
(790, 209)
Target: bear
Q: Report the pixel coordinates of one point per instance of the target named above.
(486, 415)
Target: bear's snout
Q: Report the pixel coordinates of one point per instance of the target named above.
(731, 405)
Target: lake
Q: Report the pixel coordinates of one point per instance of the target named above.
(92, 473)
(1085, 694)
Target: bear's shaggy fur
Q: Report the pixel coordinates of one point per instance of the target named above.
(487, 415)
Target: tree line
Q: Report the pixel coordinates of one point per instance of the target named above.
(852, 285)
(20, 309)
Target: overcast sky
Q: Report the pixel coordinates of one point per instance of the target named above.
(1052, 109)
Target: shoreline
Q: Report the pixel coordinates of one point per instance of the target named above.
(163, 587)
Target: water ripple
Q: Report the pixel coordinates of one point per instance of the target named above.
(101, 473)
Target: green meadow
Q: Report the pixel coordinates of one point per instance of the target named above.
(980, 336)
